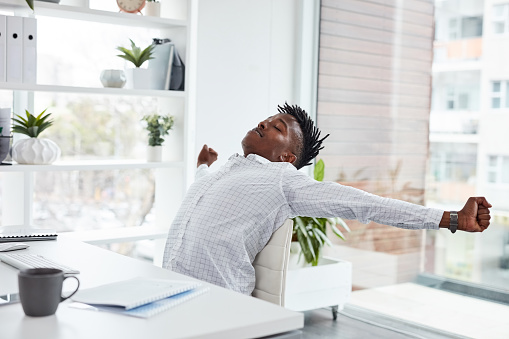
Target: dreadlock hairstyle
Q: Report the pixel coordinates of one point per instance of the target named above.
(311, 143)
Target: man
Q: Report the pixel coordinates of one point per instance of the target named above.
(228, 216)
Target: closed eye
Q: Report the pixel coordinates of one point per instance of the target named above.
(277, 128)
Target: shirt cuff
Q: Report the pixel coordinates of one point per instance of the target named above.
(432, 219)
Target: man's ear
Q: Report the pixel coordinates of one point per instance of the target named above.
(288, 157)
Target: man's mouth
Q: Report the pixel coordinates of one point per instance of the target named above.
(257, 130)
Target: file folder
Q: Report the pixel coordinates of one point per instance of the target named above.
(3, 47)
(14, 60)
(29, 50)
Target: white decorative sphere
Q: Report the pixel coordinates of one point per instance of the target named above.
(35, 151)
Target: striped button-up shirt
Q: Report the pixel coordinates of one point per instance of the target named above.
(228, 216)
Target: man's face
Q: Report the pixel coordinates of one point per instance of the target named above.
(275, 138)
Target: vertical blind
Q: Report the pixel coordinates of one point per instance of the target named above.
(374, 94)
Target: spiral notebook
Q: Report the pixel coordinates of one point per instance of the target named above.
(129, 294)
(20, 233)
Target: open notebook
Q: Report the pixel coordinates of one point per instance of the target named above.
(128, 294)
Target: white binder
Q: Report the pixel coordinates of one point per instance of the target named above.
(14, 60)
(29, 50)
(3, 47)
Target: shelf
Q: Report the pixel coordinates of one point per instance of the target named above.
(91, 90)
(87, 14)
(91, 165)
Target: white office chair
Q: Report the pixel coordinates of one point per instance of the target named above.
(271, 265)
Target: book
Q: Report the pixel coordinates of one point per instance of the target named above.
(170, 67)
(147, 310)
(20, 233)
(132, 293)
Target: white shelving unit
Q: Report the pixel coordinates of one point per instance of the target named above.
(171, 176)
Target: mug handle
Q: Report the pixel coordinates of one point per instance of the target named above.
(76, 290)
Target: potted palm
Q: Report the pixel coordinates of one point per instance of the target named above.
(157, 126)
(317, 281)
(137, 77)
(34, 151)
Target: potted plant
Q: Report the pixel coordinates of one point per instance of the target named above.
(137, 77)
(157, 126)
(153, 8)
(317, 281)
(34, 151)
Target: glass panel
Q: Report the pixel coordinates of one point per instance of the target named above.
(505, 170)
(492, 177)
(506, 94)
(88, 200)
(471, 27)
(493, 161)
(495, 86)
(498, 27)
(495, 103)
(498, 11)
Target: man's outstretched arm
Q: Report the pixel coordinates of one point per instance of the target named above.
(474, 217)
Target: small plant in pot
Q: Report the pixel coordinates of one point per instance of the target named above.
(157, 126)
(137, 77)
(34, 151)
(311, 233)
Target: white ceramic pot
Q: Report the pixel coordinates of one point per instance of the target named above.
(35, 151)
(153, 8)
(113, 78)
(138, 78)
(154, 153)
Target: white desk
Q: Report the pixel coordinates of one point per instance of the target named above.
(219, 313)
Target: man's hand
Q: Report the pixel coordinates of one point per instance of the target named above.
(207, 156)
(475, 216)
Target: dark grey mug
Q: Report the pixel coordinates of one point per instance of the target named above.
(40, 290)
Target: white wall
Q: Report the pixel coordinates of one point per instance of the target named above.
(246, 61)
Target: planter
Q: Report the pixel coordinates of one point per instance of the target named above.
(138, 78)
(114, 78)
(35, 151)
(153, 8)
(329, 284)
(154, 153)
(5, 146)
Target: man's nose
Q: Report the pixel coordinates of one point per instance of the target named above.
(262, 124)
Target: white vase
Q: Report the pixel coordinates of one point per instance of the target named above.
(154, 153)
(138, 78)
(35, 151)
(114, 78)
(153, 8)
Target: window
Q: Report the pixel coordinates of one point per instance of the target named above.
(498, 169)
(499, 94)
(500, 18)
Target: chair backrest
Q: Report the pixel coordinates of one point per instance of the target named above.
(271, 265)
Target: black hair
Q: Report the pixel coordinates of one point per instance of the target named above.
(309, 143)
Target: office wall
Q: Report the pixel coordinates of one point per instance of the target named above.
(245, 68)
(374, 88)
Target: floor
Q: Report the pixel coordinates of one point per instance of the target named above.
(410, 311)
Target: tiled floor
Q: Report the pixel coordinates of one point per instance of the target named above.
(446, 311)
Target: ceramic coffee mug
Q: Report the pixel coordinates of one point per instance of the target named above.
(40, 290)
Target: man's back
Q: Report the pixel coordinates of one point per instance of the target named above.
(226, 218)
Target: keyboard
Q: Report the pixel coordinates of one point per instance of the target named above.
(26, 261)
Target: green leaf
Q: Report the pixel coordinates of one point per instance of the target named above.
(30, 4)
(337, 232)
(317, 236)
(343, 224)
(323, 236)
(319, 171)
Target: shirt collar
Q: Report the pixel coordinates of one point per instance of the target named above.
(254, 157)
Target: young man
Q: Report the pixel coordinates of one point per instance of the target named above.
(228, 216)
